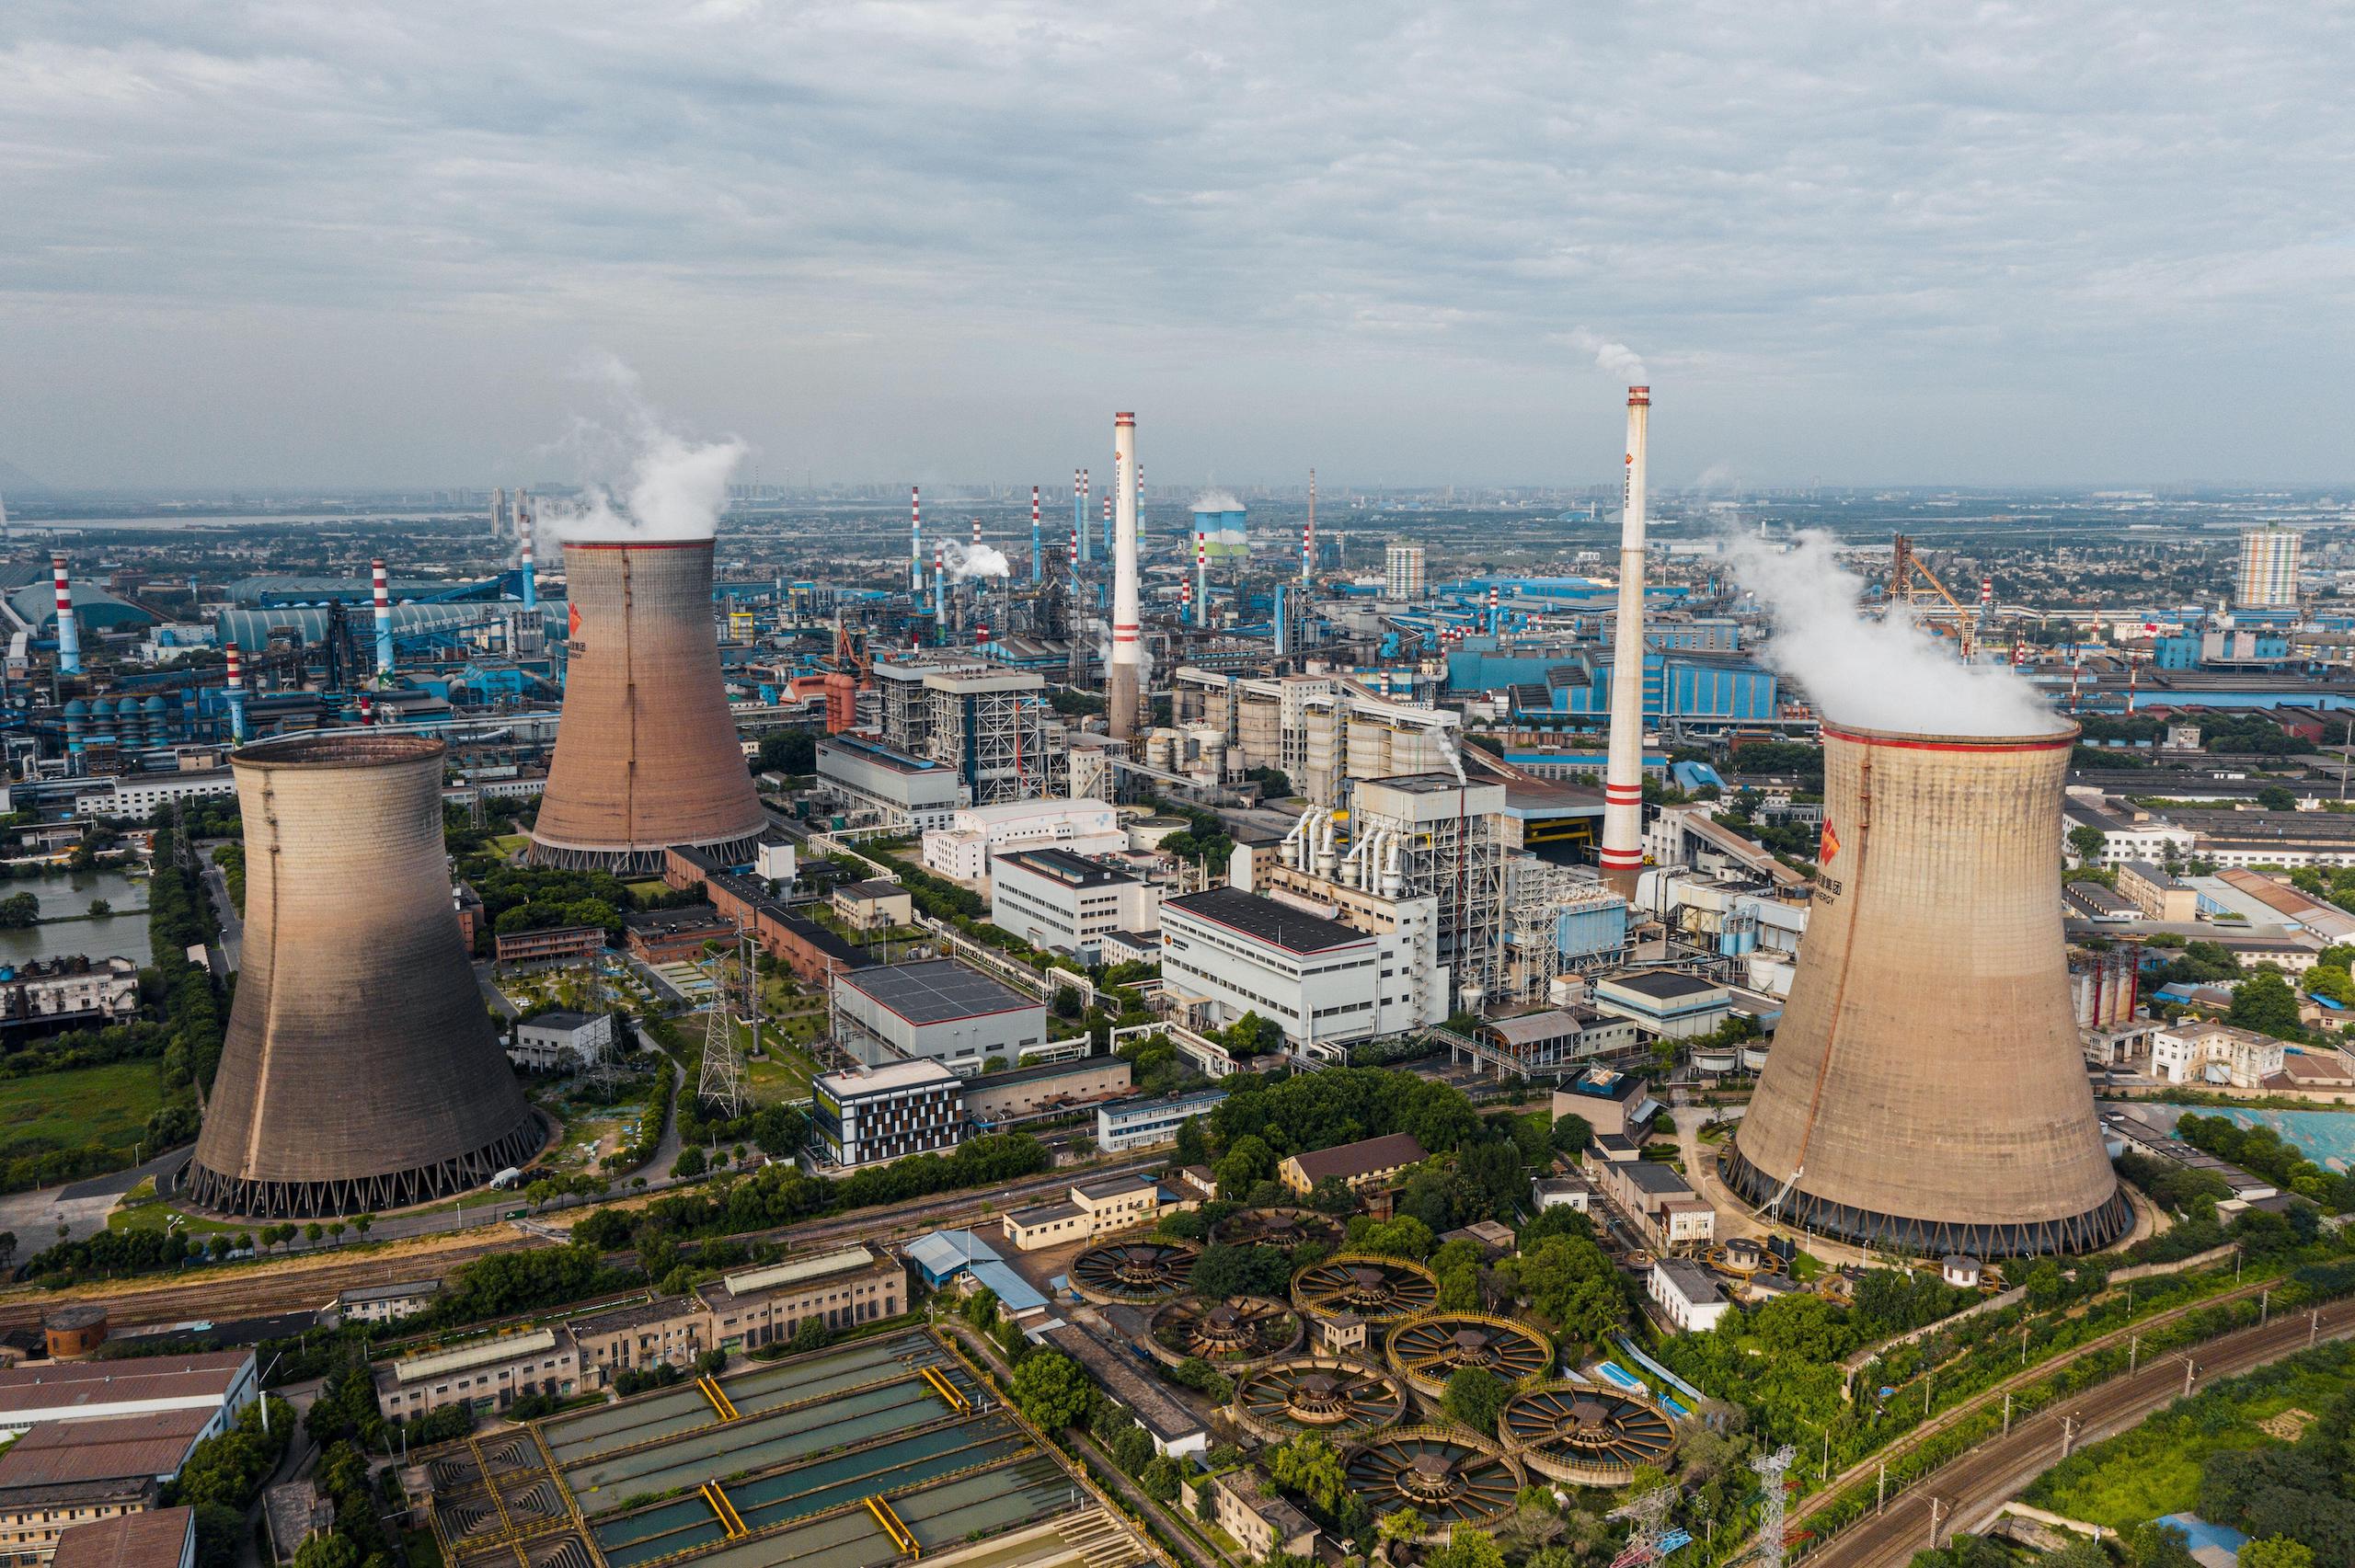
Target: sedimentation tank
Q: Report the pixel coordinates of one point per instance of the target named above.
(646, 754)
(1927, 1091)
(360, 1071)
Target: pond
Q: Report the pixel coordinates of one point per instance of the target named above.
(123, 932)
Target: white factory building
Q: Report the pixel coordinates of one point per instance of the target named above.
(937, 1010)
(962, 850)
(2193, 1051)
(1063, 902)
(1228, 952)
(887, 1112)
(903, 791)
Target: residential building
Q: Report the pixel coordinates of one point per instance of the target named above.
(1148, 1124)
(874, 905)
(1048, 1089)
(2267, 578)
(385, 1303)
(1368, 1162)
(219, 1383)
(962, 850)
(2158, 896)
(1402, 572)
(1664, 1002)
(153, 1538)
(485, 1374)
(1687, 1294)
(48, 994)
(1226, 952)
(1061, 901)
(1245, 1506)
(2194, 1051)
(549, 1041)
(881, 1113)
(935, 1011)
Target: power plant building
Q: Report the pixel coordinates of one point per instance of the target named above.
(1327, 985)
(360, 1071)
(905, 792)
(935, 1011)
(1927, 1091)
(645, 754)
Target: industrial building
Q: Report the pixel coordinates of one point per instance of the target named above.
(906, 793)
(71, 992)
(2192, 1050)
(645, 754)
(1368, 1162)
(560, 1041)
(1149, 1124)
(984, 723)
(881, 1113)
(1225, 951)
(217, 1385)
(962, 850)
(1060, 901)
(1320, 731)
(360, 1071)
(1047, 1088)
(935, 1011)
(1924, 1094)
(1092, 1209)
(1664, 1003)
(484, 1374)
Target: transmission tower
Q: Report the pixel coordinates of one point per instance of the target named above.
(721, 1085)
(1771, 1469)
(1650, 1540)
(602, 1047)
(748, 954)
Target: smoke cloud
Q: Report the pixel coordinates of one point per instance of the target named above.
(1612, 359)
(962, 561)
(667, 486)
(1217, 501)
(1890, 673)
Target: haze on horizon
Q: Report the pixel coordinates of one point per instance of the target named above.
(283, 244)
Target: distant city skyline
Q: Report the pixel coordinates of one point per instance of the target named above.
(364, 246)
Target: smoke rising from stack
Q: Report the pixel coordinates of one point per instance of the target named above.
(1615, 360)
(962, 561)
(1890, 673)
(669, 486)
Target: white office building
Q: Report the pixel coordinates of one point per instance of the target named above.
(1063, 902)
(887, 1112)
(1148, 1124)
(962, 850)
(1227, 953)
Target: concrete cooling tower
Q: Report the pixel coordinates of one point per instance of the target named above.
(646, 755)
(360, 1071)
(1925, 1092)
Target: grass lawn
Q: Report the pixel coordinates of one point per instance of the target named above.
(645, 893)
(508, 843)
(107, 1104)
(785, 1076)
(2155, 1468)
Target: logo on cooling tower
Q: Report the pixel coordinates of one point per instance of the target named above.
(572, 622)
(1827, 846)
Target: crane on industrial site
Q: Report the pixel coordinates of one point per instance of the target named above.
(1907, 574)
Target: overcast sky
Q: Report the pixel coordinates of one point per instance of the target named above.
(296, 242)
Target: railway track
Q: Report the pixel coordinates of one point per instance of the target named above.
(1970, 1488)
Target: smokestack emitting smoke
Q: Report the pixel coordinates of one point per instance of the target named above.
(1036, 547)
(980, 561)
(1623, 779)
(69, 635)
(916, 540)
(237, 683)
(674, 488)
(1890, 673)
(383, 618)
(1202, 579)
(1122, 688)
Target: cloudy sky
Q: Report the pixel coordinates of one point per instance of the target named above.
(290, 242)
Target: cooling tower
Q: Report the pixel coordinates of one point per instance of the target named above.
(360, 1071)
(1925, 1092)
(646, 755)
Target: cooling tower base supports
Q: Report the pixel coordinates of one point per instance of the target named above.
(2087, 1232)
(635, 864)
(365, 1195)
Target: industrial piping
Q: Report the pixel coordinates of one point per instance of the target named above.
(69, 635)
(1121, 695)
(1623, 780)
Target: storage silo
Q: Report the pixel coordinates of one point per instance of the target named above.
(1927, 1093)
(360, 1071)
(646, 754)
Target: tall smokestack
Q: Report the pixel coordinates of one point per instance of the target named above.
(1038, 556)
(1308, 533)
(1496, 621)
(1079, 513)
(939, 578)
(69, 635)
(1202, 579)
(531, 581)
(1108, 523)
(1623, 780)
(384, 619)
(1121, 693)
(236, 680)
(916, 540)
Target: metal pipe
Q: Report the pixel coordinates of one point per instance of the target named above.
(1623, 783)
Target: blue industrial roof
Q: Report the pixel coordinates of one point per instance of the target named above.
(943, 1253)
(1017, 1294)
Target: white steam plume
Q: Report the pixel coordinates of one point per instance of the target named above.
(1217, 501)
(1889, 673)
(962, 561)
(1613, 359)
(670, 486)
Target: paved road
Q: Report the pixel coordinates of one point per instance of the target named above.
(1969, 1489)
(233, 925)
(81, 1207)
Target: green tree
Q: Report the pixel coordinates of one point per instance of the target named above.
(2276, 798)
(2265, 1002)
(1474, 1397)
(2330, 982)
(689, 1163)
(1312, 1466)
(1466, 1548)
(1570, 1135)
(810, 1334)
(2276, 1552)
(2087, 844)
(1051, 1390)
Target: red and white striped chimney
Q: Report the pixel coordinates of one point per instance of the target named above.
(69, 635)
(1623, 779)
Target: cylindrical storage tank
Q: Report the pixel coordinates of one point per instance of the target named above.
(74, 1332)
(646, 754)
(1925, 1092)
(156, 719)
(360, 1070)
(77, 723)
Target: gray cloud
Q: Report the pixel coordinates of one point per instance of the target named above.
(284, 242)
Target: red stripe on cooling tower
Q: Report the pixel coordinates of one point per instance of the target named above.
(1621, 859)
(2058, 743)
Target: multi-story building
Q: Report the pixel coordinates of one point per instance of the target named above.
(547, 1042)
(1402, 572)
(219, 1383)
(962, 850)
(842, 1288)
(905, 792)
(1065, 902)
(2193, 1051)
(385, 1303)
(2158, 895)
(984, 722)
(2268, 579)
(935, 1011)
(487, 1374)
(1148, 1124)
(1368, 1162)
(1094, 1208)
(88, 1476)
(1687, 1294)
(550, 944)
(1047, 1088)
(1673, 1216)
(1664, 1002)
(886, 1112)
(65, 993)
(1246, 1507)
(1226, 952)
(874, 905)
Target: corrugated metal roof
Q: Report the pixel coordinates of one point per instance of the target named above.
(478, 1355)
(794, 1271)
